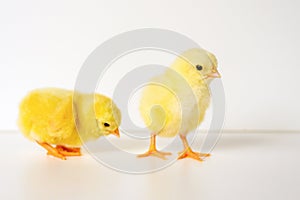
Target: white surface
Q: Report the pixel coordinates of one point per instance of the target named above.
(243, 166)
(256, 42)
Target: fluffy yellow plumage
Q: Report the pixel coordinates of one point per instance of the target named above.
(50, 116)
(176, 101)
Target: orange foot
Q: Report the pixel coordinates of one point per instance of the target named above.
(68, 151)
(153, 151)
(156, 153)
(51, 150)
(188, 153)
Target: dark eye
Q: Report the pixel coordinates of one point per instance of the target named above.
(106, 124)
(199, 67)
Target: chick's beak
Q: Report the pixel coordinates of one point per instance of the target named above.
(214, 74)
(116, 132)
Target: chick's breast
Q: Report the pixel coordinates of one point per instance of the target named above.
(172, 104)
(159, 109)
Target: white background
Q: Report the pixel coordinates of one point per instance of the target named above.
(44, 43)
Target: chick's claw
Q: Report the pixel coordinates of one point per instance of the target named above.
(51, 150)
(155, 153)
(188, 153)
(203, 154)
(57, 155)
(68, 151)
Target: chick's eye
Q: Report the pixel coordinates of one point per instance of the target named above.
(199, 67)
(106, 124)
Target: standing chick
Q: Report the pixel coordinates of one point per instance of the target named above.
(168, 108)
(50, 117)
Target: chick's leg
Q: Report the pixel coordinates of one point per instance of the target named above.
(68, 151)
(51, 150)
(188, 152)
(153, 151)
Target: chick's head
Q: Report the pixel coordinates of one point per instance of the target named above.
(108, 115)
(203, 61)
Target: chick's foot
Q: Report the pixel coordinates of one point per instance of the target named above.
(188, 153)
(68, 151)
(51, 150)
(153, 151)
(156, 153)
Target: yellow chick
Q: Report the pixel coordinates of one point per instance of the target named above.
(176, 101)
(50, 117)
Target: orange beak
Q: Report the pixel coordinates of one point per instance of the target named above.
(116, 132)
(214, 74)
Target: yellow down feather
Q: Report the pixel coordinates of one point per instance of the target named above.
(176, 101)
(49, 115)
